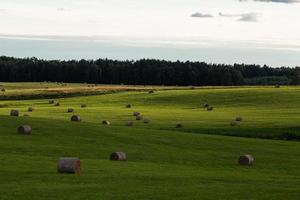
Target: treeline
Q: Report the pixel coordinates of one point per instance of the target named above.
(143, 72)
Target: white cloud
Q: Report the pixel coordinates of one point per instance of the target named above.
(154, 19)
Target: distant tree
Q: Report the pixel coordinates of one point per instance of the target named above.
(296, 77)
(144, 72)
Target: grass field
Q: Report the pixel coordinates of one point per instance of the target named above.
(198, 161)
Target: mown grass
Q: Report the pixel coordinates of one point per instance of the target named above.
(29, 91)
(41, 90)
(164, 162)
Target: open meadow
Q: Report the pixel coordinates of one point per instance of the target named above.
(195, 161)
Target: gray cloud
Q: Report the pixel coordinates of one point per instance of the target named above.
(246, 17)
(201, 15)
(249, 17)
(275, 1)
(61, 9)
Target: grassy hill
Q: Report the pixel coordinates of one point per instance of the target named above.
(198, 161)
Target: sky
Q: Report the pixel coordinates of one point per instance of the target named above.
(219, 31)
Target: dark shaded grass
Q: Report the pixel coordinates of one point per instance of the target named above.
(284, 133)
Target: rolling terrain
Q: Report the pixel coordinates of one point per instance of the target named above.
(197, 161)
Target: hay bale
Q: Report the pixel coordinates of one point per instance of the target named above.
(24, 129)
(75, 118)
(30, 109)
(238, 119)
(129, 123)
(83, 105)
(179, 125)
(206, 105)
(14, 113)
(246, 160)
(3, 90)
(51, 101)
(151, 92)
(233, 123)
(118, 156)
(146, 121)
(128, 106)
(136, 114)
(210, 108)
(106, 122)
(68, 165)
(70, 110)
(139, 117)
(277, 86)
(57, 104)
(26, 115)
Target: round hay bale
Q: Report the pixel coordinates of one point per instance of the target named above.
(206, 105)
(238, 119)
(277, 86)
(51, 101)
(26, 115)
(118, 156)
(179, 126)
(106, 122)
(70, 110)
(210, 108)
(246, 160)
(3, 90)
(136, 114)
(69, 165)
(139, 117)
(83, 105)
(75, 118)
(14, 113)
(57, 104)
(129, 123)
(233, 123)
(146, 121)
(24, 129)
(151, 92)
(30, 109)
(128, 106)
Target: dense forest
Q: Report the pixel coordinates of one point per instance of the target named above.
(143, 72)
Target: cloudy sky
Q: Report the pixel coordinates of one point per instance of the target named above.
(250, 31)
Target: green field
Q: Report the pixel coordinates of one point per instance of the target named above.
(198, 161)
